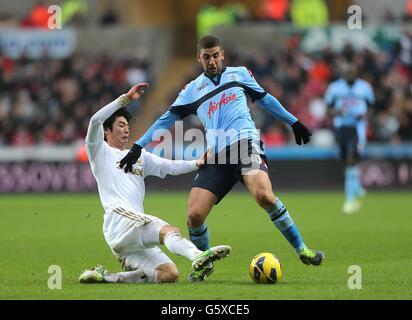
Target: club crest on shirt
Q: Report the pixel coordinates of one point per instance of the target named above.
(233, 77)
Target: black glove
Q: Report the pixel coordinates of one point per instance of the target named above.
(131, 157)
(301, 133)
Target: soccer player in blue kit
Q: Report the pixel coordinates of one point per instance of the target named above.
(218, 98)
(348, 99)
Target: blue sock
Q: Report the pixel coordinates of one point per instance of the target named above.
(282, 220)
(351, 183)
(200, 236)
(357, 179)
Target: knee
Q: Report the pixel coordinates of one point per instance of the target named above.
(195, 215)
(166, 230)
(175, 230)
(167, 275)
(193, 209)
(264, 198)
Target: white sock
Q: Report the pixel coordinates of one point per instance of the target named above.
(176, 244)
(135, 276)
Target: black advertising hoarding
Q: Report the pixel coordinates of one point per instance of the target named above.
(379, 174)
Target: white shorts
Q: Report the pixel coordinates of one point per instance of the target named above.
(133, 238)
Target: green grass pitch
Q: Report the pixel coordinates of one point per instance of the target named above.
(37, 231)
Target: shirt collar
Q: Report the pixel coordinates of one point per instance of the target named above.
(215, 79)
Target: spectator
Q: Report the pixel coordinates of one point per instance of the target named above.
(212, 15)
(313, 13)
(405, 47)
(274, 10)
(275, 136)
(38, 17)
(109, 16)
(386, 126)
(22, 136)
(34, 94)
(408, 11)
(74, 12)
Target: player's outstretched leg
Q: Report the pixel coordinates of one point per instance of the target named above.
(203, 263)
(200, 236)
(100, 274)
(94, 275)
(284, 223)
(200, 203)
(260, 187)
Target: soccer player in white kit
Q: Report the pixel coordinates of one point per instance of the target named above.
(132, 235)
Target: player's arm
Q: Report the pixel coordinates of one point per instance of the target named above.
(95, 135)
(177, 111)
(160, 167)
(330, 100)
(164, 122)
(275, 108)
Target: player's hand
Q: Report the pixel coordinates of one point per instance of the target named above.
(131, 157)
(301, 133)
(137, 91)
(203, 160)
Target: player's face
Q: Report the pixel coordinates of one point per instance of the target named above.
(119, 135)
(211, 60)
(350, 74)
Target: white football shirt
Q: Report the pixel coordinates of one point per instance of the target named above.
(117, 188)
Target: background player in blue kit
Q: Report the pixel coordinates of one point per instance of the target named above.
(348, 99)
(218, 98)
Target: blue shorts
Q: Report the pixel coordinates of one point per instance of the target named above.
(347, 138)
(219, 177)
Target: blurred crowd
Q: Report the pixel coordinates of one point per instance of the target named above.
(51, 101)
(73, 13)
(299, 13)
(299, 80)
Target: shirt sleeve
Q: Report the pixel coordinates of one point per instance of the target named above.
(330, 96)
(166, 121)
(95, 134)
(252, 88)
(275, 108)
(184, 105)
(159, 167)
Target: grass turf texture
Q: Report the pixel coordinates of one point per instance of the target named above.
(37, 231)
